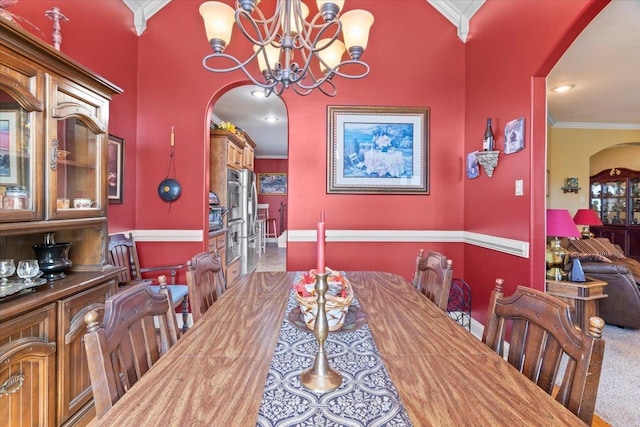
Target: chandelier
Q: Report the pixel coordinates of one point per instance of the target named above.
(290, 51)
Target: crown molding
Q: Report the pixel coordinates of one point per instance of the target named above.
(143, 10)
(458, 12)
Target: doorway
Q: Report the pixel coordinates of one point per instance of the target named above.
(265, 121)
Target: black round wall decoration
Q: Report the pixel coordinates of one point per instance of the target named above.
(169, 190)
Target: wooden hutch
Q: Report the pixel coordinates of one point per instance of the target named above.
(55, 116)
(615, 196)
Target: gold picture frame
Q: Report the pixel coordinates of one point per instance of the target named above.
(378, 150)
(272, 183)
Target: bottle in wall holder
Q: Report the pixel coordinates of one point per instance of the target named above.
(488, 141)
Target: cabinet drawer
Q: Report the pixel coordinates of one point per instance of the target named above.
(233, 271)
(27, 368)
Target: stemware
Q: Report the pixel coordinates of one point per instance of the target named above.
(27, 269)
(7, 268)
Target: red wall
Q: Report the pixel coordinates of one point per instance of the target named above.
(508, 54)
(170, 55)
(416, 59)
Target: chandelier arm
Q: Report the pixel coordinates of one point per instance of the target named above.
(322, 29)
(239, 66)
(302, 89)
(362, 64)
(269, 35)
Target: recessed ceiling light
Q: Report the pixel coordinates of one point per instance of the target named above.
(258, 93)
(271, 119)
(562, 88)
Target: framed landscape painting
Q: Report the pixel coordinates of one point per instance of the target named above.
(380, 150)
(272, 183)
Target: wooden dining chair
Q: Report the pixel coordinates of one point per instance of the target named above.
(543, 339)
(206, 282)
(433, 277)
(125, 345)
(123, 253)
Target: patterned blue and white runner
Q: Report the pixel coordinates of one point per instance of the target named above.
(366, 397)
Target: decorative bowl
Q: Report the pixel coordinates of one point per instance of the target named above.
(63, 154)
(336, 306)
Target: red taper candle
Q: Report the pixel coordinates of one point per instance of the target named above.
(321, 241)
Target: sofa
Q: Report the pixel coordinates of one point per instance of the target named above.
(605, 261)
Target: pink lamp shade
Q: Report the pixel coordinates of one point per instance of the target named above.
(560, 224)
(586, 217)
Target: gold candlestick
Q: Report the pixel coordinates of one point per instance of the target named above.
(320, 377)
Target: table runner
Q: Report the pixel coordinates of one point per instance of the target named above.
(366, 396)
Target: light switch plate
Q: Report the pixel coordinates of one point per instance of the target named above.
(519, 187)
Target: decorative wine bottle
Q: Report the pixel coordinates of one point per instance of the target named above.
(487, 143)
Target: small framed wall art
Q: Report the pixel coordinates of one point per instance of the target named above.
(473, 169)
(272, 183)
(514, 136)
(115, 171)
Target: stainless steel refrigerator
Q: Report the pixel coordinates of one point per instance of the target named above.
(249, 235)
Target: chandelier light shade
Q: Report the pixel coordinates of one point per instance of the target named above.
(586, 218)
(289, 51)
(559, 224)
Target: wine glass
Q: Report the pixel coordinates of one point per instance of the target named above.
(27, 269)
(7, 268)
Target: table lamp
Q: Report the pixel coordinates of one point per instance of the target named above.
(586, 217)
(559, 224)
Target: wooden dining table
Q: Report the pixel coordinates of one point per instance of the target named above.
(215, 375)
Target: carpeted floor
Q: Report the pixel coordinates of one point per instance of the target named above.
(618, 401)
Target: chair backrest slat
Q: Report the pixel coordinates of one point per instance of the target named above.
(206, 282)
(543, 341)
(125, 345)
(122, 253)
(433, 277)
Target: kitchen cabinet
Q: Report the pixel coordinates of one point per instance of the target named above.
(615, 196)
(223, 146)
(227, 145)
(233, 271)
(217, 244)
(248, 153)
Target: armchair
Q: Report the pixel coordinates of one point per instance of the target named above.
(622, 305)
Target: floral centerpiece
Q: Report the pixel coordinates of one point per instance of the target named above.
(339, 296)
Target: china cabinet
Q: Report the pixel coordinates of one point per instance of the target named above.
(53, 150)
(615, 196)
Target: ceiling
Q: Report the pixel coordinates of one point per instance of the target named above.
(603, 64)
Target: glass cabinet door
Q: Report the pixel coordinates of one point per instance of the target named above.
(596, 194)
(76, 170)
(635, 201)
(76, 153)
(20, 186)
(614, 202)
